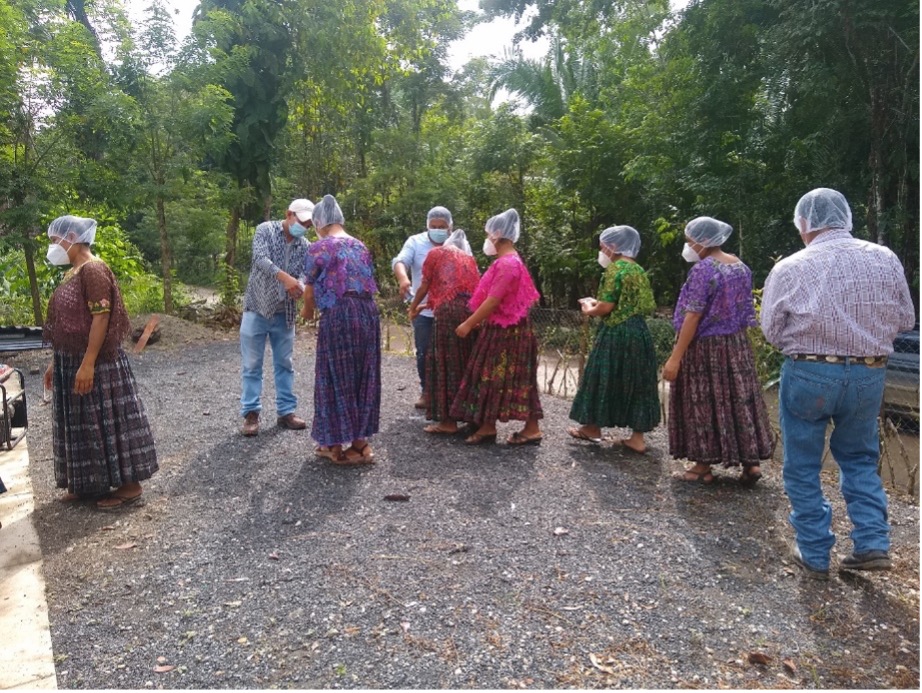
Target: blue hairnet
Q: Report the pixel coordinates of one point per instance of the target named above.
(623, 239)
(707, 231)
(327, 212)
(82, 228)
(823, 209)
(505, 225)
(439, 213)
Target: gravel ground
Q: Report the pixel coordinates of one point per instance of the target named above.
(251, 564)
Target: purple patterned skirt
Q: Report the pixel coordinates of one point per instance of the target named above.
(101, 440)
(501, 379)
(716, 411)
(347, 374)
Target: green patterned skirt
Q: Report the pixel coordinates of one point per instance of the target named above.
(619, 385)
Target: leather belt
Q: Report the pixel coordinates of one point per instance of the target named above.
(870, 361)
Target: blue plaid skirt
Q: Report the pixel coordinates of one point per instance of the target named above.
(101, 440)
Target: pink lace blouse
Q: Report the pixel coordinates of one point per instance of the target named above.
(508, 280)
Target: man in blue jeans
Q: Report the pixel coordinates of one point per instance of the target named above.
(269, 310)
(410, 259)
(833, 309)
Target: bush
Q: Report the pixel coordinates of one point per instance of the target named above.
(663, 338)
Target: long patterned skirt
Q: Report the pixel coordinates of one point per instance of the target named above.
(102, 439)
(347, 374)
(716, 411)
(501, 379)
(446, 357)
(619, 385)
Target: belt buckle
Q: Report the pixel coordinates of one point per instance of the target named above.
(831, 359)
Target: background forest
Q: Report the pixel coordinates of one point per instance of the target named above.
(637, 115)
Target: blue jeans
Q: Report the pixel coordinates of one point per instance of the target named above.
(849, 395)
(254, 329)
(422, 333)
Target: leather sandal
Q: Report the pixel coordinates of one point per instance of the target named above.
(705, 478)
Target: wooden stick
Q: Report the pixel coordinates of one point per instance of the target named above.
(148, 329)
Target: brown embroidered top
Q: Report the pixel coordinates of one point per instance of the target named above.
(88, 290)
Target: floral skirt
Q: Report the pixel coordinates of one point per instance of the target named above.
(446, 357)
(501, 379)
(716, 411)
(101, 440)
(619, 385)
(347, 372)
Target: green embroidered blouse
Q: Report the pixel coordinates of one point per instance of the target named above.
(627, 286)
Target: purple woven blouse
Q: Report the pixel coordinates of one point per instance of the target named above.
(722, 293)
(336, 265)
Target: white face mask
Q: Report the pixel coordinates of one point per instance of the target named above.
(689, 254)
(489, 248)
(604, 260)
(56, 255)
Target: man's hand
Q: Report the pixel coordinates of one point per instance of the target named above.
(293, 287)
(404, 287)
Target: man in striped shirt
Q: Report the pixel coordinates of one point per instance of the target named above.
(269, 311)
(833, 309)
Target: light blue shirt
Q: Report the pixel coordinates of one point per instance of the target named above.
(412, 255)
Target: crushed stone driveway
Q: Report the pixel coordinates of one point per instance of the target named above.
(252, 564)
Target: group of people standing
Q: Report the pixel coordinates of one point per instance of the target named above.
(832, 308)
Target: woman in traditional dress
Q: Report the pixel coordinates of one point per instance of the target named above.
(450, 276)
(100, 432)
(716, 411)
(501, 378)
(619, 384)
(339, 281)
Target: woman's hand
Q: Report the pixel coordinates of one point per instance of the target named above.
(83, 382)
(307, 312)
(49, 376)
(413, 312)
(463, 330)
(671, 369)
(587, 305)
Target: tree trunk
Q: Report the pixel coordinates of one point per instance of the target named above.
(28, 249)
(166, 257)
(233, 228)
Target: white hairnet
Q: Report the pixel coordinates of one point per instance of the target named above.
(623, 239)
(823, 209)
(73, 229)
(505, 225)
(327, 212)
(709, 232)
(439, 213)
(458, 239)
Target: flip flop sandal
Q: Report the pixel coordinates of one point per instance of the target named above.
(622, 443)
(435, 430)
(705, 478)
(579, 434)
(518, 439)
(343, 460)
(480, 439)
(122, 502)
(749, 480)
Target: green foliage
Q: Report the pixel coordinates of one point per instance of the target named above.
(230, 286)
(663, 334)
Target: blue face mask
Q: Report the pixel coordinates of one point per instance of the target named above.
(438, 236)
(296, 230)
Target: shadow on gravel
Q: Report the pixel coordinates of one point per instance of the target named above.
(619, 480)
(478, 477)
